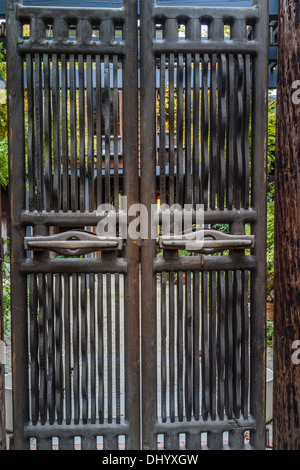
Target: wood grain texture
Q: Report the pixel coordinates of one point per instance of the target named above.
(287, 235)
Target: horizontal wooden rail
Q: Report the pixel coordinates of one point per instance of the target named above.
(71, 14)
(205, 13)
(207, 47)
(78, 219)
(71, 430)
(204, 426)
(204, 263)
(70, 47)
(65, 219)
(74, 265)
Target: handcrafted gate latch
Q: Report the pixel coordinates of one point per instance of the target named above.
(206, 241)
(73, 242)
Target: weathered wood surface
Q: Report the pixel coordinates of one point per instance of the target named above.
(200, 329)
(287, 234)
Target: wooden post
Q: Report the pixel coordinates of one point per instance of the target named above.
(287, 234)
(2, 361)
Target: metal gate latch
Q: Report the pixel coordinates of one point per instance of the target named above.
(206, 241)
(73, 242)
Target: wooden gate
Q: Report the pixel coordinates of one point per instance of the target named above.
(74, 101)
(195, 310)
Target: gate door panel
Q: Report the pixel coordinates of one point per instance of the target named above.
(75, 305)
(73, 141)
(203, 128)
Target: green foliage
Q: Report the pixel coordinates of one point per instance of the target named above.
(271, 190)
(2, 64)
(270, 250)
(271, 148)
(3, 107)
(270, 334)
(3, 127)
(6, 291)
(3, 162)
(184, 253)
(6, 306)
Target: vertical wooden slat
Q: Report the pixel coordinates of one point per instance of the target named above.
(171, 441)
(247, 113)
(17, 177)
(193, 441)
(204, 346)
(81, 91)
(236, 439)
(221, 344)
(84, 347)
(47, 133)
(88, 443)
(90, 131)
(42, 348)
(188, 130)
(212, 343)
(148, 249)
(92, 326)
(64, 133)
(117, 354)
(179, 132)
(204, 131)
(214, 440)
(109, 348)
(188, 347)
(73, 134)
(196, 345)
(99, 130)
(222, 116)
(39, 205)
(171, 131)
(245, 346)
(107, 127)
(56, 133)
(76, 373)
(67, 348)
(31, 133)
(110, 442)
(66, 443)
(231, 134)
(172, 345)
(239, 131)
(213, 132)
(163, 340)
(58, 350)
(237, 339)
(39, 144)
(131, 190)
(162, 133)
(196, 131)
(50, 349)
(115, 131)
(44, 444)
(229, 349)
(100, 313)
(259, 126)
(34, 369)
(180, 345)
